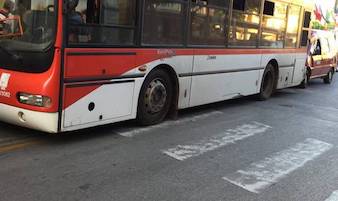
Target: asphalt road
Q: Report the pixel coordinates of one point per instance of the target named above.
(282, 149)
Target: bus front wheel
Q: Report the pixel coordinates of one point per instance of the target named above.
(268, 83)
(155, 98)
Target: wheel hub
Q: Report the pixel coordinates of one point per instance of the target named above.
(155, 96)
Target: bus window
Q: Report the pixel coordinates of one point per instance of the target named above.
(164, 22)
(292, 26)
(245, 24)
(269, 8)
(305, 38)
(249, 6)
(273, 24)
(218, 3)
(75, 17)
(239, 5)
(208, 26)
(27, 29)
(307, 19)
(120, 12)
(253, 6)
(305, 28)
(102, 22)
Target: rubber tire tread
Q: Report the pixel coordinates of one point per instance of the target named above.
(144, 118)
(305, 82)
(263, 95)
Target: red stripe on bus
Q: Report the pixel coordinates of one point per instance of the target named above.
(102, 62)
(247, 51)
(74, 94)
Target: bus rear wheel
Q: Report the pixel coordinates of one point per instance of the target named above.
(155, 98)
(305, 82)
(268, 83)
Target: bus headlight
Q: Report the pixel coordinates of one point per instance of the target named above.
(35, 100)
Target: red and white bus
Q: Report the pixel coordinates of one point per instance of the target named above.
(73, 64)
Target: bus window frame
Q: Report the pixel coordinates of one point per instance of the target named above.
(187, 4)
(139, 26)
(226, 21)
(48, 52)
(136, 29)
(256, 26)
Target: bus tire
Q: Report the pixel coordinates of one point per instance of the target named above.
(328, 78)
(305, 82)
(155, 98)
(268, 83)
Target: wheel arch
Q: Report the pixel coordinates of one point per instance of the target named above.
(275, 65)
(174, 79)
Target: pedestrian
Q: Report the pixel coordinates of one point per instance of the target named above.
(5, 12)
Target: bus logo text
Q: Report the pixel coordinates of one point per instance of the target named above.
(5, 94)
(4, 79)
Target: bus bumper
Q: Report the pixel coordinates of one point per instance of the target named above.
(46, 122)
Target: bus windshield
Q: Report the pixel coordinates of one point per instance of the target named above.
(26, 27)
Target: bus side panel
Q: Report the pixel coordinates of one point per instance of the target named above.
(100, 87)
(286, 63)
(182, 65)
(300, 69)
(109, 101)
(180, 60)
(221, 77)
(82, 64)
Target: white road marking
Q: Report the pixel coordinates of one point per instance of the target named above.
(270, 170)
(183, 152)
(333, 196)
(167, 124)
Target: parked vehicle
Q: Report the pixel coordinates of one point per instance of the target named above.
(83, 63)
(335, 35)
(322, 56)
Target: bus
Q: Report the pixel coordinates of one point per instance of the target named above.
(73, 64)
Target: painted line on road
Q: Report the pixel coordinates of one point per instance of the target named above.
(167, 124)
(230, 136)
(18, 144)
(262, 174)
(333, 196)
(10, 140)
